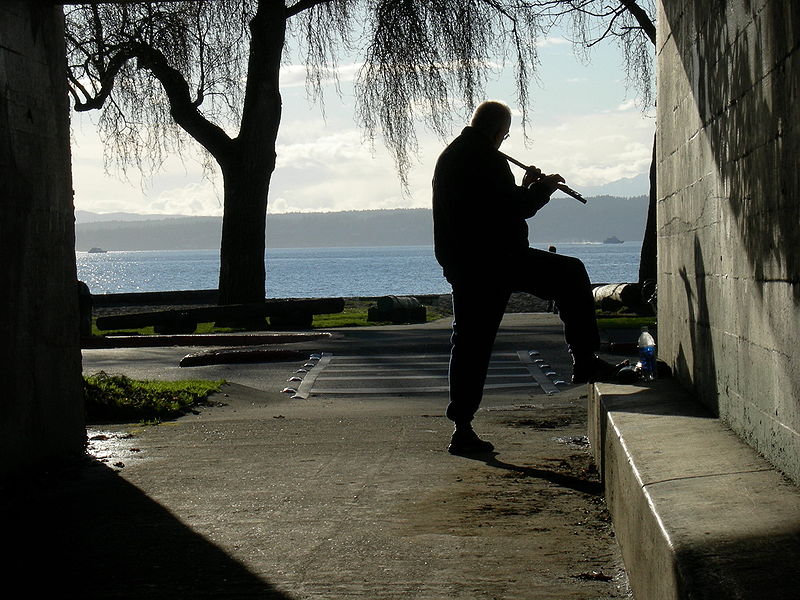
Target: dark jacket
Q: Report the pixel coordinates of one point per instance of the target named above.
(479, 211)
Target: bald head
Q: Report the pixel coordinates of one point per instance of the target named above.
(492, 118)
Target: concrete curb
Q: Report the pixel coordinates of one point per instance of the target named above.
(697, 512)
(240, 356)
(209, 339)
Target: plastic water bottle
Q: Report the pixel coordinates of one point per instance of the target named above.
(647, 355)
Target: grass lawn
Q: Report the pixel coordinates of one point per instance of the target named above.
(624, 321)
(354, 315)
(117, 398)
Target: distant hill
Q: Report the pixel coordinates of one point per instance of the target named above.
(84, 216)
(627, 187)
(563, 220)
(566, 220)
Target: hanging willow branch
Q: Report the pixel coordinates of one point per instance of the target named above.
(423, 61)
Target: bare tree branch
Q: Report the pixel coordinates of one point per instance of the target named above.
(424, 60)
(106, 80)
(182, 107)
(303, 5)
(641, 16)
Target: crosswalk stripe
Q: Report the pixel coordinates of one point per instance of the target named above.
(508, 370)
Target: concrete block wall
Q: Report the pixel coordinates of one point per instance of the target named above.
(728, 147)
(41, 407)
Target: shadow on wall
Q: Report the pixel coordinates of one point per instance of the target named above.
(752, 123)
(756, 561)
(704, 368)
(88, 533)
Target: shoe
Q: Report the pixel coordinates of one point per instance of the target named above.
(628, 375)
(595, 369)
(466, 441)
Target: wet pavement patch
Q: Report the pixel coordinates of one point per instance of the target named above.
(239, 356)
(543, 422)
(578, 441)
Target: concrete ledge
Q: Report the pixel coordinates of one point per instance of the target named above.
(697, 512)
(201, 339)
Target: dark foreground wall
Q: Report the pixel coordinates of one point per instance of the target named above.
(41, 412)
(729, 212)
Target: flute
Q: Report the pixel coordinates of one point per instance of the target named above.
(561, 186)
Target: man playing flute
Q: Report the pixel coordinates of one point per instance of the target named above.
(481, 242)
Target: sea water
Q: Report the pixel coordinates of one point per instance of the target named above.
(321, 272)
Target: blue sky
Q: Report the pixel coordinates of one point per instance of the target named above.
(583, 124)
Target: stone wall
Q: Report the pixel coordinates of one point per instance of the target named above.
(41, 410)
(728, 213)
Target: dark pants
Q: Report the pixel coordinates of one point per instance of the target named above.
(479, 303)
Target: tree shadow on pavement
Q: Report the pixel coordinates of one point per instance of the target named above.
(579, 484)
(85, 532)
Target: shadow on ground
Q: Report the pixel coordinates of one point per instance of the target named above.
(584, 485)
(85, 532)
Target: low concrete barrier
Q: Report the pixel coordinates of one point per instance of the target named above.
(616, 296)
(697, 512)
(397, 309)
(182, 297)
(294, 313)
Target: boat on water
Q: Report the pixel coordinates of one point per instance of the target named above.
(613, 240)
(96, 250)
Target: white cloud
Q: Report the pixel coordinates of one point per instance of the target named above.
(295, 75)
(325, 164)
(329, 149)
(550, 41)
(199, 198)
(337, 171)
(179, 189)
(324, 168)
(292, 76)
(593, 149)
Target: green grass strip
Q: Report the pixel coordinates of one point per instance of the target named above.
(355, 316)
(624, 322)
(117, 398)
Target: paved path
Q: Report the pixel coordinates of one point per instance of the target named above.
(338, 495)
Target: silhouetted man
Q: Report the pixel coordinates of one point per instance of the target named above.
(481, 242)
(551, 304)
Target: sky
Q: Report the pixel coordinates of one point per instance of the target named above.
(583, 124)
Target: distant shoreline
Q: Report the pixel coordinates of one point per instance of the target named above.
(534, 244)
(559, 222)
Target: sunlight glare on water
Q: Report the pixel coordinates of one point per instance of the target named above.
(321, 272)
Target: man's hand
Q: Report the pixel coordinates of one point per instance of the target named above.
(532, 175)
(551, 181)
(548, 183)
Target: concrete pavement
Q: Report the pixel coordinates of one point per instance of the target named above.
(331, 496)
(697, 512)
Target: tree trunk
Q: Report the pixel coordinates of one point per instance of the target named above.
(248, 170)
(41, 420)
(648, 265)
(242, 275)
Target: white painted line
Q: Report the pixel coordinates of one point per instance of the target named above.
(344, 364)
(339, 369)
(548, 387)
(417, 357)
(304, 389)
(411, 390)
(370, 377)
(342, 369)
